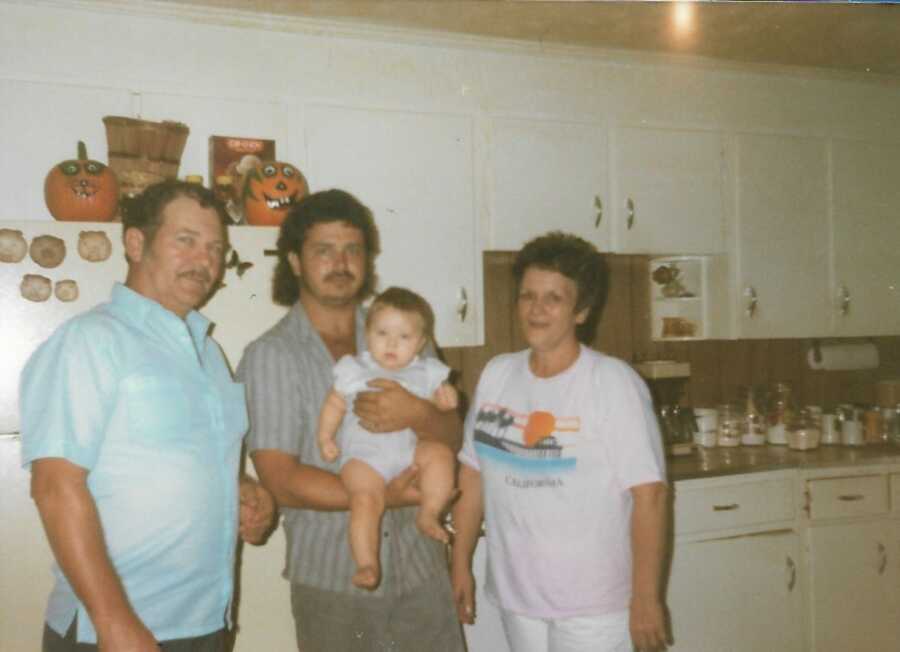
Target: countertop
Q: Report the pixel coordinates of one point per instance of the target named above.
(716, 462)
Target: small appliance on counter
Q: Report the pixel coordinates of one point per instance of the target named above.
(677, 423)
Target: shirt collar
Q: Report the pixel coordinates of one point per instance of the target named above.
(301, 325)
(140, 310)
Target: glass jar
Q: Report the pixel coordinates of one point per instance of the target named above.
(754, 431)
(781, 412)
(850, 419)
(731, 425)
(803, 432)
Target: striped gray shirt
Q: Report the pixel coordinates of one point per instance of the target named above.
(288, 373)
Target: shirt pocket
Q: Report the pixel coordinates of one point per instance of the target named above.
(158, 408)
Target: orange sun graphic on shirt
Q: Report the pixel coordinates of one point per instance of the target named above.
(540, 425)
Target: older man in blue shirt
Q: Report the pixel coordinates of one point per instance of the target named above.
(132, 426)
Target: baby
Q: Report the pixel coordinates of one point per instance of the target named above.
(398, 326)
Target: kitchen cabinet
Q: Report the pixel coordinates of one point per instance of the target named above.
(668, 191)
(737, 594)
(415, 172)
(866, 241)
(853, 546)
(779, 252)
(547, 174)
(736, 573)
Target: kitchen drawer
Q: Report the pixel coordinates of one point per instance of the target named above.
(715, 508)
(862, 495)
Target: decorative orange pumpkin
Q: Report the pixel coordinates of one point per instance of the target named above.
(81, 190)
(270, 189)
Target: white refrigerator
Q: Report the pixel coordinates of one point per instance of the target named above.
(240, 310)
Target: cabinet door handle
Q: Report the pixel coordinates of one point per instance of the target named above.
(844, 300)
(882, 558)
(598, 204)
(726, 508)
(851, 498)
(752, 301)
(630, 206)
(462, 308)
(791, 574)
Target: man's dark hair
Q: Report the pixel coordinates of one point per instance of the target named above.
(404, 300)
(576, 259)
(320, 208)
(144, 211)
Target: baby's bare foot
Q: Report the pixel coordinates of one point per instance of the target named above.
(367, 577)
(430, 526)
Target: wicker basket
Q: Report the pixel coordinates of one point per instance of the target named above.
(142, 153)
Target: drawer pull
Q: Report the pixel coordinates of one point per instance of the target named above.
(725, 508)
(882, 562)
(792, 574)
(851, 498)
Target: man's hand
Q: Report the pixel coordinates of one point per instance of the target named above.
(647, 623)
(389, 409)
(257, 511)
(131, 636)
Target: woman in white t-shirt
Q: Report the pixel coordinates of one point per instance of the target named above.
(563, 460)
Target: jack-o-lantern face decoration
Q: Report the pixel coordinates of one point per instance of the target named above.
(81, 190)
(270, 190)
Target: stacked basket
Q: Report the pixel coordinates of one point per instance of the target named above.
(142, 153)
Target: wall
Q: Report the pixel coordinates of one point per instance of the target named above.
(718, 367)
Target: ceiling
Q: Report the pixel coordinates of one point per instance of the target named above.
(859, 38)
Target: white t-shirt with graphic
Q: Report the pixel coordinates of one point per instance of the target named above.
(557, 458)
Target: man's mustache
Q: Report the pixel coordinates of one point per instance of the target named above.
(197, 275)
(338, 276)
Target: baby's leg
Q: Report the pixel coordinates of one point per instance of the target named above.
(366, 488)
(436, 463)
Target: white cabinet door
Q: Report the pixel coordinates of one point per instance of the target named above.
(854, 585)
(866, 290)
(40, 126)
(415, 171)
(668, 190)
(544, 175)
(780, 251)
(738, 594)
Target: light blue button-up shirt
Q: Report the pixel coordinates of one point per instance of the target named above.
(145, 402)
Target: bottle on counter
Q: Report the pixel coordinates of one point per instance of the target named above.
(781, 411)
(731, 425)
(754, 431)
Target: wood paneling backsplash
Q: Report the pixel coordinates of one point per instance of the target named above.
(718, 367)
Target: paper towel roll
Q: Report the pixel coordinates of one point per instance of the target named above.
(843, 357)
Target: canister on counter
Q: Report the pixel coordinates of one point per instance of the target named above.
(707, 431)
(851, 425)
(872, 425)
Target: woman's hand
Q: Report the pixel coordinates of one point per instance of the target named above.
(647, 624)
(463, 584)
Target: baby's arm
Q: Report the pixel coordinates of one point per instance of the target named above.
(330, 418)
(445, 397)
